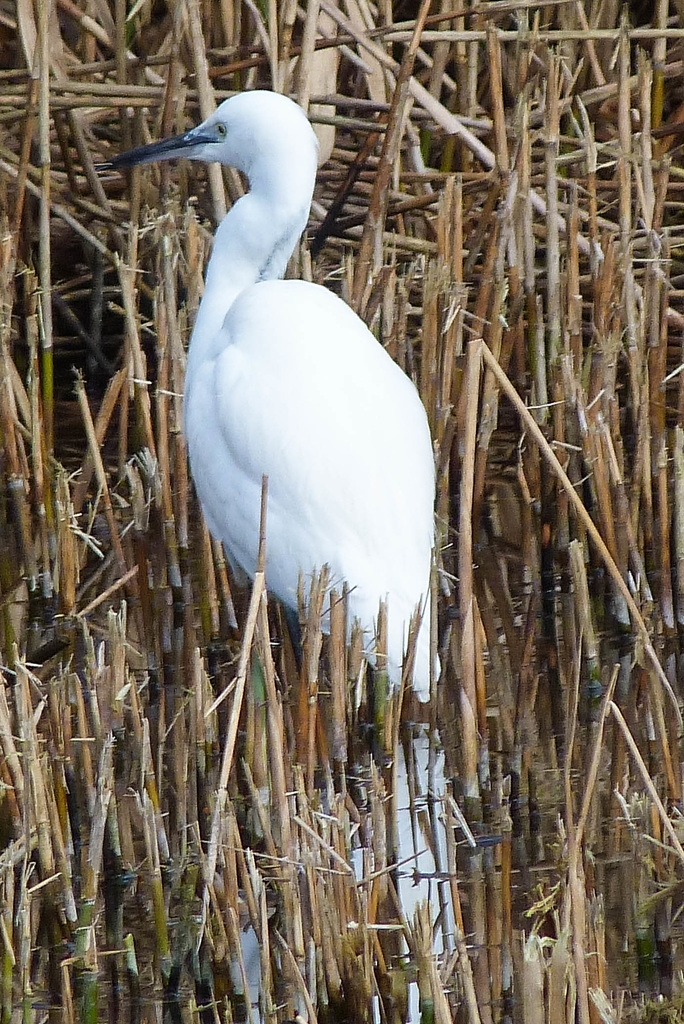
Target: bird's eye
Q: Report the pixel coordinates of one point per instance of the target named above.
(221, 130)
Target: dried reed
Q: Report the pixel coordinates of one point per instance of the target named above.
(501, 200)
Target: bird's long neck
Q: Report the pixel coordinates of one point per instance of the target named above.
(253, 243)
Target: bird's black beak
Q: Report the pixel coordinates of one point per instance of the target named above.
(167, 149)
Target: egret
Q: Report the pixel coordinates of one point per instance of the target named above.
(284, 379)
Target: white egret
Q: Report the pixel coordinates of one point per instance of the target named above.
(284, 379)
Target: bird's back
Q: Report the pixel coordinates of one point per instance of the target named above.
(300, 390)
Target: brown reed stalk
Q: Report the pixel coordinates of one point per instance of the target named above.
(86, 947)
(258, 595)
(312, 641)
(206, 100)
(36, 810)
(370, 251)
(553, 221)
(100, 472)
(469, 640)
(134, 349)
(27, 135)
(47, 376)
(492, 291)
(162, 947)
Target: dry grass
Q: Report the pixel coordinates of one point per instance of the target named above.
(501, 200)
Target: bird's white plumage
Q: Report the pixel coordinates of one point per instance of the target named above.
(349, 462)
(284, 379)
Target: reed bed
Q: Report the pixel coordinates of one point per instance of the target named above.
(182, 809)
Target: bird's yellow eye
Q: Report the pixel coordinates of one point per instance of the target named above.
(221, 130)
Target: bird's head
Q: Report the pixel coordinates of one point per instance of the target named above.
(254, 132)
